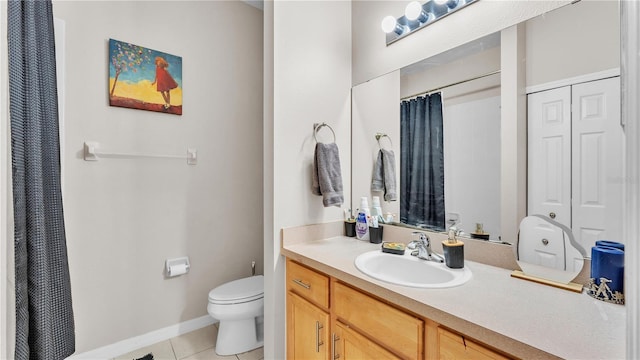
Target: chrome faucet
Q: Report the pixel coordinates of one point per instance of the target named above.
(422, 248)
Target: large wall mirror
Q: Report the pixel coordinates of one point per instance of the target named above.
(572, 45)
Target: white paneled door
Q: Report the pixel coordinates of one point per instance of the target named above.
(575, 158)
(549, 154)
(598, 160)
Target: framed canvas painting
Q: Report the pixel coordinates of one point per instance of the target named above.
(144, 79)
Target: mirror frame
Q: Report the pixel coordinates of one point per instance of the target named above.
(630, 75)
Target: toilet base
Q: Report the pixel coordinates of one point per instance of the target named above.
(238, 336)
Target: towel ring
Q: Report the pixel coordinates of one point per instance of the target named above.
(381, 135)
(317, 128)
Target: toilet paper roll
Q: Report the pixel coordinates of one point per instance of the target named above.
(178, 269)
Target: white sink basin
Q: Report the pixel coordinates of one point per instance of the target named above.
(410, 271)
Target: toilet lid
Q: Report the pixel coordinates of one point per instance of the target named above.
(242, 289)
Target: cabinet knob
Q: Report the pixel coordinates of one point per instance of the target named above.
(552, 215)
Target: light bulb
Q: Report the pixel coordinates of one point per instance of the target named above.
(389, 24)
(450, 3)
(413, 11)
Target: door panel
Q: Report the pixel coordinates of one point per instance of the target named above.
(598, 159)
(307, 330)
(549, 154)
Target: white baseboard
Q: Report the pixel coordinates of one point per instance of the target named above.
(150, 338)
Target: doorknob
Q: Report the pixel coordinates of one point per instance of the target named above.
(552, 215)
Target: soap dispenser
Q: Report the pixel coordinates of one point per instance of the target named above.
(453, 250)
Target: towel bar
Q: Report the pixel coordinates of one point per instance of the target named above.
(91, 153)
(381, 135)
(317, 127)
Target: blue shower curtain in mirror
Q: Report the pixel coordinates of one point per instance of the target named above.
(422, 162)
(44, 315)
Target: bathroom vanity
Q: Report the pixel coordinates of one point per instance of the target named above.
(335, 311)
(364, 326)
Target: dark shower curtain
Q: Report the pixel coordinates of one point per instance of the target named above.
(422, 162)
(44, 316)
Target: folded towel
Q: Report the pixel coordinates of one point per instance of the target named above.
(384, 175)
(327, 177)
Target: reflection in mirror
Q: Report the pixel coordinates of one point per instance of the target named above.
(575, 140)
(575, 43)
(461, 174)
(547, 249)
(422, 162)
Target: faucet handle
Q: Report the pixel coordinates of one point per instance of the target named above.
(421, 235)
(412, 245)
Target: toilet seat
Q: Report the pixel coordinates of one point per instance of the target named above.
(238, 291)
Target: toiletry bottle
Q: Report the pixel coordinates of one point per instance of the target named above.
(376, 210)
(362, 227)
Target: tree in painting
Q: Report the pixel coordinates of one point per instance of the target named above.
(128, 57)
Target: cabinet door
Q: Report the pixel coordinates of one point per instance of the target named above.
(349, 345)
(456, 347)
(307, 330)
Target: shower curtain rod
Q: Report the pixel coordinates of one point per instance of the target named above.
(449, 85)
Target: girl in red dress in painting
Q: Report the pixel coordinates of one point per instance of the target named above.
(164, 80)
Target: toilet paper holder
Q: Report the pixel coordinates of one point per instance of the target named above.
(177, 266)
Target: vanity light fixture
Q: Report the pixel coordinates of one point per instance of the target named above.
(416, 16)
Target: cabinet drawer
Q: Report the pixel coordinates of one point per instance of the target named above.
(454, 346)
(307, 283)
(391, 327)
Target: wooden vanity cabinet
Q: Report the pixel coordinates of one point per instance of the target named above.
(330, 320)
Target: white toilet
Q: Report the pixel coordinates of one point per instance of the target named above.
(239, 306)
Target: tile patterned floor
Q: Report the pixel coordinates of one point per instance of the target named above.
(196, 345)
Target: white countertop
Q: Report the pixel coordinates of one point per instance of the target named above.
(523, 318)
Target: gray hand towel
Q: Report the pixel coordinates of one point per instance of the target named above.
(377, 181)
(327, 176)
(384, 175)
